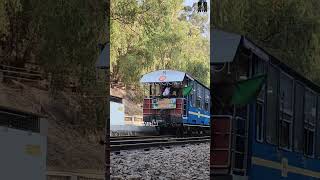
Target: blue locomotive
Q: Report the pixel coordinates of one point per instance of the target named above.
(175, 102)
(275, 137)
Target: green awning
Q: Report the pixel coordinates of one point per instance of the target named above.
(247, 90)
(186, 90)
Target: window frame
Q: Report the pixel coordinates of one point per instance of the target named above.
(277, 69)
(282, 111)
(309, 127)
(296, 149)
(261, 101)
(262, 128)
(199, 96)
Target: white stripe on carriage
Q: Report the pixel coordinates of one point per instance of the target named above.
(196, 125)
(199, 114)
(284, 167)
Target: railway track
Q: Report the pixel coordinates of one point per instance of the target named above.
(146, 142)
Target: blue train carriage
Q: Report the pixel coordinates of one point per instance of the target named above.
(275, 137)
(175, 102)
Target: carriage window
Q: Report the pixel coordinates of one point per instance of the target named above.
(272, 105)
(309, 122)
(298, 117)
(207, 99)
(286, 111)
(192, 94)
(259, 68)
(199, 95)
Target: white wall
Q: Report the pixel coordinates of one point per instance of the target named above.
(116, 113)
(15, 162)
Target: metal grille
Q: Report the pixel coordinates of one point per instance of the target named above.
(27, 123)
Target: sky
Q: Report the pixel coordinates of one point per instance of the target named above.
(190, 3)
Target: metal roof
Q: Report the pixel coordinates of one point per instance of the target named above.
(163, 76)
(224, 46)
(104, 58)
(20, 112)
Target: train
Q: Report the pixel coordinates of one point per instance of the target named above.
(175, 103)
(275, 136)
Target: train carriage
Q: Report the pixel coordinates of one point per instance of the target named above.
(185, 109)
(275, 137)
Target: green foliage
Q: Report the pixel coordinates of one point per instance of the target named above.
(62, 36)
(290, 30)
(152, 35)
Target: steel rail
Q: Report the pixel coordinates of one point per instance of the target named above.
(160, 142)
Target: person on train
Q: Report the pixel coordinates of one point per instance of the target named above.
(166, 91)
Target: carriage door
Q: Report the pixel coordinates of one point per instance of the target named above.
(239, 145)
(221, 144)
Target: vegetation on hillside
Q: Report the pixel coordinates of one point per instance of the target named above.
(62, 37)
(290, 29)
(152, 35)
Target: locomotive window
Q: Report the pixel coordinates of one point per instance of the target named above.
(298, 117)
(272, 105)
(309, 122)
(286, 110)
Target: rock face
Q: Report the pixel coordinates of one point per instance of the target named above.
(189, 162)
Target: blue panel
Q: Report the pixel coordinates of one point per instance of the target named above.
(196, 116)
(274, 153)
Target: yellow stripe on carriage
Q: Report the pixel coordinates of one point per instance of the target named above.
(199, 114)
(284, 167)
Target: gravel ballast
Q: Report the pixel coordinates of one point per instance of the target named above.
(175, 163)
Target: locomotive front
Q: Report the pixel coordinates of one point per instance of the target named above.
(164, 104)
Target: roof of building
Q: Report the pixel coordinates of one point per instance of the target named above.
(19, 112)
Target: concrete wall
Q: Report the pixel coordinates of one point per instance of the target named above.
(22, 154)
(116, 114)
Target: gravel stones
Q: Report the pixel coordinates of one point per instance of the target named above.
(189, 162)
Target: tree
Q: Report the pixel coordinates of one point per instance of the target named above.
(152, 35)
(287, 29)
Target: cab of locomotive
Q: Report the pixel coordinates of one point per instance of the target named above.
(164, 102)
